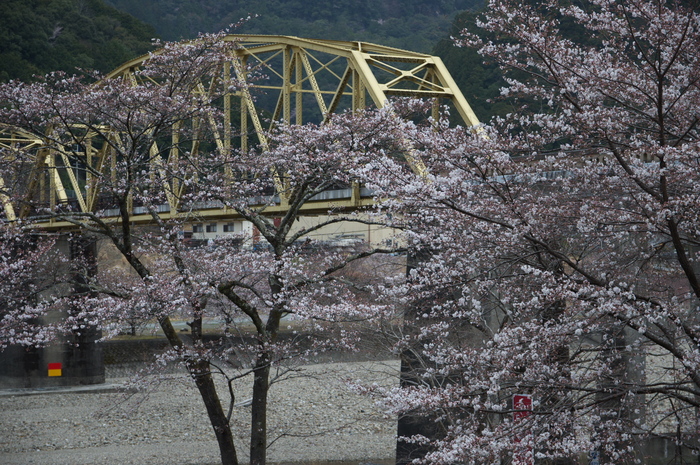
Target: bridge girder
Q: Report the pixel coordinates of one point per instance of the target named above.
(306, 80)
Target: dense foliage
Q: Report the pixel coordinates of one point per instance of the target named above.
(38, 36)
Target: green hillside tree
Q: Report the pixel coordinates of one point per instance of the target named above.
(39, 36)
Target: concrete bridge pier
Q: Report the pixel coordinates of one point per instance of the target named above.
(73, 359)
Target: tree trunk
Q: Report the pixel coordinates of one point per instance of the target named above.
(258, 428)
(198, 369)
(219, 421)
(201, 372)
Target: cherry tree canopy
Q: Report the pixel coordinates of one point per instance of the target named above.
(556, 248)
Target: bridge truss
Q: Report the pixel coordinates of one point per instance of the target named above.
(306, 81)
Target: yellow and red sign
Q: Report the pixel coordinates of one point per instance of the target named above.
(55, 369)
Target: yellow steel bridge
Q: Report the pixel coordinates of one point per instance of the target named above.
(306, 80)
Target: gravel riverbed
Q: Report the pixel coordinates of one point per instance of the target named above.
(314, 417)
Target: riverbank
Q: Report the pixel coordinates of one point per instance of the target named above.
(314, 417)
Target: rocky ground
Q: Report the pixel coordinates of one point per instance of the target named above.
(314, 417)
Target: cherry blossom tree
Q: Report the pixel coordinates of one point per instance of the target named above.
(557, 247)
(128, 117)
(288, 268)
(296, 271)
(284, 269)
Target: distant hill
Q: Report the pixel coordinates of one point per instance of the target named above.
(417, 25)
(410, 24)
(479, 82)
(38, 36)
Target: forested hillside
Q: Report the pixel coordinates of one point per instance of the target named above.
(481, 79)
(411, 24)
(417, 25)
(480, 82)
(38, 36)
